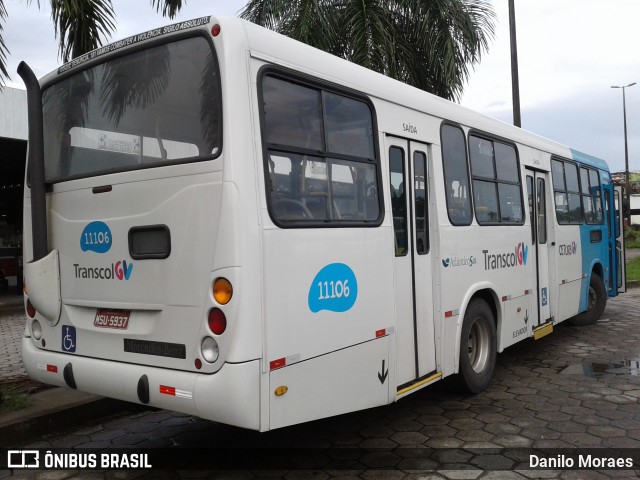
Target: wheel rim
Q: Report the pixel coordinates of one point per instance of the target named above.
(478, 345)
(593, 298)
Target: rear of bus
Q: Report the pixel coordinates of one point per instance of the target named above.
(138, 295)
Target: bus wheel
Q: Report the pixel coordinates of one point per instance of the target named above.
(596, 301)
(477, 348)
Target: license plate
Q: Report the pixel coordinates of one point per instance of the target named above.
(112, 319)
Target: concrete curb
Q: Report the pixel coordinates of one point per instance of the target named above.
(52, 411)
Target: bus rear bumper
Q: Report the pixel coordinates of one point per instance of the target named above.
(230, 396)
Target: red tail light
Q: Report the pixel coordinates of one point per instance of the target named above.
(31, 310)
(217, 321)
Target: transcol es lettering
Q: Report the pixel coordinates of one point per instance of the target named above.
(508, 259)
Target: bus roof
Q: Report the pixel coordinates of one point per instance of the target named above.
(589, 160)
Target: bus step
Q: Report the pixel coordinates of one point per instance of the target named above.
(542, 330)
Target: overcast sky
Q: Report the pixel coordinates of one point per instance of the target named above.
(570, 52)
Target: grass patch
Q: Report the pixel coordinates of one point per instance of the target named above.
(632, 238)
(10, 400)
(633, 269)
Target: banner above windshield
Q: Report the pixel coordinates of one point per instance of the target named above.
(125, 42)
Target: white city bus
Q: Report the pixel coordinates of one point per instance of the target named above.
(225, 222)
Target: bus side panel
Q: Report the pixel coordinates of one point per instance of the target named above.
(345, 381)
(325, 289)
(569, 254)
(593, 241)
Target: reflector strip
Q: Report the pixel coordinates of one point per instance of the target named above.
(283, 362)
(381, 333)
(451, 313)
(167, 390)
(527, 292)
(52, 368)
(275, 364)
(174, 392)
(42, 366)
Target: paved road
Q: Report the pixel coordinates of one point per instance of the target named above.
(12, 323)
(631, 253)
(578, 387)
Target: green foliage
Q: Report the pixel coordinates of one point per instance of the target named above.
(81, 25)
(632, 238)
(11, 400)
(428, 44)
(3, 48)
(633, 270)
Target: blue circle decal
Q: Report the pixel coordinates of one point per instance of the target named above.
(334, 288)
(96, 237)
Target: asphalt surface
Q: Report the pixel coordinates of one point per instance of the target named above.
(576, 388)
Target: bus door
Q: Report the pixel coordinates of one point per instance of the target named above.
(415, 347)
(620, 277)
(537, 196)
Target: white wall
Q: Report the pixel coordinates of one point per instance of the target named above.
(635, 203)
(13, 113)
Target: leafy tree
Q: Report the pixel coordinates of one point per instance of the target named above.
(430, 44)
(81, 25)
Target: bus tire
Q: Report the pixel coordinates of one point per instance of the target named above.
(596, 301)
(477, 349)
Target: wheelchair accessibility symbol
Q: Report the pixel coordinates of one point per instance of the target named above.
(68, 338)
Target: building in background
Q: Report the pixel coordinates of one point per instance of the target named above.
(13, 151)
(634, 197)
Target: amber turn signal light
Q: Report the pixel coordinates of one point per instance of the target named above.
(222, 291)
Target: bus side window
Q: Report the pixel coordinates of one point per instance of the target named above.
(542, 211)
(530, 201)
(398, 200)
(456, 175)
(496, 181)
(321, 155)
(566, 192)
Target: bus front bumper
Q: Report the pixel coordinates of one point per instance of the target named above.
(230, 396)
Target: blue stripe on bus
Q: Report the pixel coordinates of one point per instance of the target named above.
(589, 160)
(588, 252)
(592, 253)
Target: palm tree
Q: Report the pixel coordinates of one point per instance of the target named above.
(81, 25)
(430, 44)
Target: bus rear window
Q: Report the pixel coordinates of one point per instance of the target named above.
(154, 107)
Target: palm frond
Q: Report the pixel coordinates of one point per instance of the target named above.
(268, 13)
(4, 51)
(430, 44)
(81, 25)
(169, 7)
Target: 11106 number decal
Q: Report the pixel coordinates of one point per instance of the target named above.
(334, 288)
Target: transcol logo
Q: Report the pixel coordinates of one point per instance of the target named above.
(120, 270)
(568, 249)
(507, 259)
